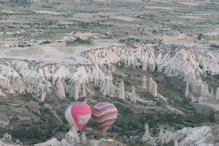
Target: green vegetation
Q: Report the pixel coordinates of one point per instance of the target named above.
(47, 6)
(27, 97)
(36, 132)
(78, 41)
(200, 36)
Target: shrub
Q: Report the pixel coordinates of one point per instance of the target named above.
(78, 41)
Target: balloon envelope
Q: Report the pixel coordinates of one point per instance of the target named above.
(104, 115)
(78, 114)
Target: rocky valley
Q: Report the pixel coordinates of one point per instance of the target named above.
(51, 82)
(155, 62)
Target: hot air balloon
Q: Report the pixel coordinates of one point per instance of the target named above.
(104, 115)
(78, 114)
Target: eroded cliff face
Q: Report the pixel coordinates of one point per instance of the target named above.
(189, 63)
(38, 79)
(205, 136)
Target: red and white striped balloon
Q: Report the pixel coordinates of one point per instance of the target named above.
(78, 114)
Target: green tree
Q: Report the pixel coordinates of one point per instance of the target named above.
(200, 36)
(212, 116)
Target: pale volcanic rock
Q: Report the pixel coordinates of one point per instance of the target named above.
(187, 90)
(43, 95)
(83, 138)
(144, 66)
(176, 143)
(186, 136)
(52, 142)
(203, 89)
(112, 90)
(60, 89)
(121, 92)
(7, 136)
(144, 82)
(13, 77)
(76, 92)
(162, 97)
(212, 93)
(39, 79)
(83, 90)
(150, 84)
(206, 90)
(72, 136)
(192, 98)
(60, 73)
(146, 135)
(4, 82)
(4, 121)
(64, 142)
(173, 62)
(154, 89)
(133, 95)
(217, 94)
(194, 88)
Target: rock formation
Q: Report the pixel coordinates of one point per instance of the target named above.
(144, 66)
(112, 90)
(206, 90)
(60, 89)
(43, 95)
(176, 143)
(19, 77)
(203, 89)
(186, 136)
(154, 89)
(7, 137)
(52, 142)
(83, 90)
(192, 98)
(4, 121)
(146, 135)
(144, 81)
(187, 90)
(212, 93)
(217, 94)
(7, 141)
(133, 97)
(75, 91)
(121, 93)
(83, 138)
(150, 84)
(72, 136)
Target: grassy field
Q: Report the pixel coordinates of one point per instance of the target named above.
(129, 18)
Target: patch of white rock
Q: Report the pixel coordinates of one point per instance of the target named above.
(40, 79)
(198, 136)
(71, 138)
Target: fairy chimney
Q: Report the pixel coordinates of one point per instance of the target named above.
(83, 90)
(154, 89)
(121, 90)
(133, 95)
(217, 94)
(150, 84)
(187, 90)
(144, 66)
(212, 93)
(144, 82)
(76, 91)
